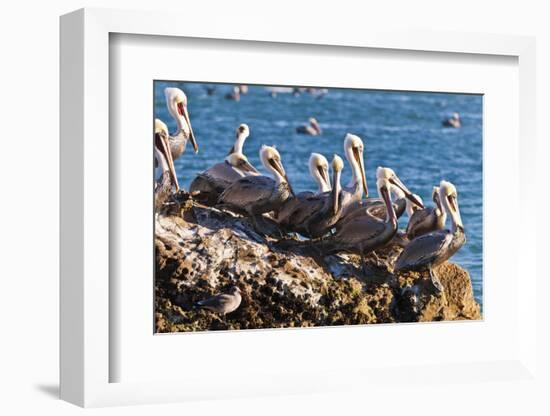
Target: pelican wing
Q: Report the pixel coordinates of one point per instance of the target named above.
(290, 205)
(248, 190)
(423, 250)
(360, 229)
(419, 219)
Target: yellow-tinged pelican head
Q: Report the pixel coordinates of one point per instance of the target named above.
(271, 159)
(318, 169)
(353, 148)
(389, 175)
(176, 101)
(449, 198)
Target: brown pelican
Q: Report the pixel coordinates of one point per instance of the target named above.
(313, 216)
(430, 250)
(365, 233)
(377, 206)
(318, 169)
(255, 195)
(353, 193)
(313, 129)
(453, 121)
(426, 220)
(176, 101)
(165, 173)
(213, 181)
(224, 303)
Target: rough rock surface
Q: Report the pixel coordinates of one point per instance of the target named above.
(202, 251)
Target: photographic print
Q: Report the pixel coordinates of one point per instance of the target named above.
(292, 207)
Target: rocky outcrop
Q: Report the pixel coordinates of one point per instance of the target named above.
(202, 251)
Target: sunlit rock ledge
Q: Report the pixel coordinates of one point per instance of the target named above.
(202, 251)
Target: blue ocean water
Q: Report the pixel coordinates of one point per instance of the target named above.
(401, 130)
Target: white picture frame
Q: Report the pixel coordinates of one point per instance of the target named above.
(86, 356)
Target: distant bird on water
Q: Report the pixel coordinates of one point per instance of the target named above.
(256, 195)
(176, 101)
(453, 121)
(234, 95)
(224, 303)
(430, 250)
(312, 129)
(208, 185)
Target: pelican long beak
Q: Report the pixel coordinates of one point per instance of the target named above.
(245, 166)
(408, 194)
(359, 160)
(389, 206)
(324, 174)
(455, 212)
(336, 192)
(185, 114)
(164, 146)
(289, 186)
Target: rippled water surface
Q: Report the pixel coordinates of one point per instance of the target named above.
(401, 130)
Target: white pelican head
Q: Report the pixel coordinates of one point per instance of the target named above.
(241, 164)
(448, 196)
(395, 183)
(176, 101)
(318, 169)
(163, 154)
(271, 159)
(353, 148)
(241, 134)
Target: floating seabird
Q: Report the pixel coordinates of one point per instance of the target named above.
(453, 121)
(176, 101)
(312, 129)
(318, 169)
(224, 303)
(426, 220)
(208, 185)
(255, 195)
(430, 250)
(165, 173)
(314, 216)
(234, 95)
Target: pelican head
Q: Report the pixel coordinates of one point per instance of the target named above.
(176, 101)
(353, 147)
(448, 196)
(318, 169)
(241, 163)
(337, 167)
(271, 159)
(241, 134)
(389, 175)
(163, 153)
(384, 186)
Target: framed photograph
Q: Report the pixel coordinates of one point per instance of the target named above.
(299, 207)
